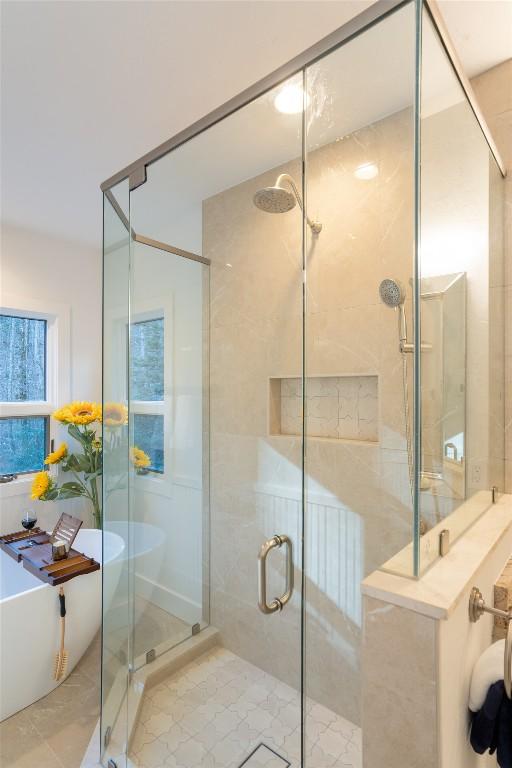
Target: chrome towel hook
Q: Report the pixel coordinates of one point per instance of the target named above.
(477, 608)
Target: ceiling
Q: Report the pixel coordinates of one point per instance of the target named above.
(87, 87)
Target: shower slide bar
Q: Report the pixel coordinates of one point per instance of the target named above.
(477, 608)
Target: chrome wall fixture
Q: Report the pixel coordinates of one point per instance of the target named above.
(477, 608)
(277, 603)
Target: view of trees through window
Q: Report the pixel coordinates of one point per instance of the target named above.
(147, 385)
(147, 360)
(148, 432)
(23, 354)
(23, 440)
(23, 444)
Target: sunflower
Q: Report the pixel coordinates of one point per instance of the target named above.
(78, 412)
(41, 484)
(115, 414)
(139, 459)
(56, 456)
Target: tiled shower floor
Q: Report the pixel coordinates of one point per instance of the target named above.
(217, 710)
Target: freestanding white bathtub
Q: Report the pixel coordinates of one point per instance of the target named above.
(29, 621)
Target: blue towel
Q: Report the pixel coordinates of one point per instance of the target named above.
(491, 727)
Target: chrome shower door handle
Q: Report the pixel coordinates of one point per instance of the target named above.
(277, 603)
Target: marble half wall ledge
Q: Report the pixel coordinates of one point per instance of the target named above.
(449, 580)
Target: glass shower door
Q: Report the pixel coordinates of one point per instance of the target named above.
(222, 481)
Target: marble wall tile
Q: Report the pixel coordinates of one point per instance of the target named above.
(358, 510)
(494, 92)
(399, 688)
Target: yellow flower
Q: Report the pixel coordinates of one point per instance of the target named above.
(58, 455)
(138, 458)
(78, 412)
(41, 484)
(115, 414)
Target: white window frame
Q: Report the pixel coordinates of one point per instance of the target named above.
(58, 376)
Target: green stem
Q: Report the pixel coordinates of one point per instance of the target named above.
(96, 503)
(80, 482)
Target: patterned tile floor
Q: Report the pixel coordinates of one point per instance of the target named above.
(216, 710)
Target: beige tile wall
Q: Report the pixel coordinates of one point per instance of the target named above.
(358, 497)
(399, 688)
(359, 504)
(494, 92)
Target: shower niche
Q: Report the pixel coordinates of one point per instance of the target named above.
(335, 407)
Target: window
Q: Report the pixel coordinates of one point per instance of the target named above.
(23, 352)
(147, 362)
(147, 389)
(148, 434)
(34, 377)
(24, 444)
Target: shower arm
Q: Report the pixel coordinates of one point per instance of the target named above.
(315, 226)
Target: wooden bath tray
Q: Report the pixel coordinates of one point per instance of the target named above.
(34, 550)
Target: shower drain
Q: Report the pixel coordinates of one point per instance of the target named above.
(265, 757)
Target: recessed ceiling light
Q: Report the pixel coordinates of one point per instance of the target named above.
(291, 99)
(366, 171)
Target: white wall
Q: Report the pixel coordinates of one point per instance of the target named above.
(50, 269)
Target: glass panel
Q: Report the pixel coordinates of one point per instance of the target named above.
(23, 352)
(147, 365)
(23, 444)
(231, 195)
(461, 307)
(117, 614)
(358, 384)
(148, 435)
(167, 362)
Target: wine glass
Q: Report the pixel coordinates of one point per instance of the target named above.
(29, 520)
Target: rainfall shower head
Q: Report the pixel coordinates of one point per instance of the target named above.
(278, 199)
(274, 200)
(391, 293)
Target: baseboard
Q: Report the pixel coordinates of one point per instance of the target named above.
(168, 600)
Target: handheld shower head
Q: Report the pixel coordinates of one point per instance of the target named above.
(393, 295)
(277, 199)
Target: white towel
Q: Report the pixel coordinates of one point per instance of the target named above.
(487, 671)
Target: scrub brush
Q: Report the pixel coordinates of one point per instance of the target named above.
(61, 659)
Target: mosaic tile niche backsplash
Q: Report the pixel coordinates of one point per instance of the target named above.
(337, 407)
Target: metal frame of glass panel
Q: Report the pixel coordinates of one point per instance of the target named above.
(136, 171)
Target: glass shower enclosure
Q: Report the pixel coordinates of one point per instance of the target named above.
(298, 292)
